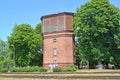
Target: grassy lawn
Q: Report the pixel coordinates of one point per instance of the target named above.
(20, 79)
(17, 79)
(65, 74)
(44, 79)
(99, 70)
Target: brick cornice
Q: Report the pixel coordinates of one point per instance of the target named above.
(58, 34)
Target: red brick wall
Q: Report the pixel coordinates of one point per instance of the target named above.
(69, 22)
(57, 22)
(64, 41)
(54, 23)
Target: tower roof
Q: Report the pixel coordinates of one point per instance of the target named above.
(61, 13)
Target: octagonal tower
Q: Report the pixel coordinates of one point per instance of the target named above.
(58, 40)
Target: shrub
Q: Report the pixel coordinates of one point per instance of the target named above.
(58, 69)
(17, 69)
(33, 69)
(13, 70)
(71, 68)
(29, 69)
(4, 70)
(41, 69)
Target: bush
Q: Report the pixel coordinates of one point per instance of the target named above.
(71, 68)
(58, 69)
(41, 69)
(29, 69)
(33, 69)
(18, 69)
(4, 70)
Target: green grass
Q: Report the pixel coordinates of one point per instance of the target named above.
(72, 74)
(44, 79)
(99, 70)
(18, 79)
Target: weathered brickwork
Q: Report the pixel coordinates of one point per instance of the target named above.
(58, 43)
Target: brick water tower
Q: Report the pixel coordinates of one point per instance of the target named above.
(58, 40)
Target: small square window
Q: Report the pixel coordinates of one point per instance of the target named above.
(54, 40)
(55, 61)
(55, 51)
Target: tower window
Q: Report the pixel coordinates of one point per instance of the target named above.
(55, 61)
(54, 40)
(55, 51)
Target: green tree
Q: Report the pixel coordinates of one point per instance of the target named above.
(38, 28)
(3, 50)
(24, 43)
(97, 26)
(18, 42)
(37, 40)
(3, 53)
(5, 62)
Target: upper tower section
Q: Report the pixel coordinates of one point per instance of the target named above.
(57, 22)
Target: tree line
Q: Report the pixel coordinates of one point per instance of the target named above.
(24, 46)
(96, 28)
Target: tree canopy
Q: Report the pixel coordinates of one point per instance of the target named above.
(97, 27)
(4, 55)
(3, 50)
(25, 44)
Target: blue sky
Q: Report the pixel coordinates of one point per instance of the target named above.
(29, 11)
